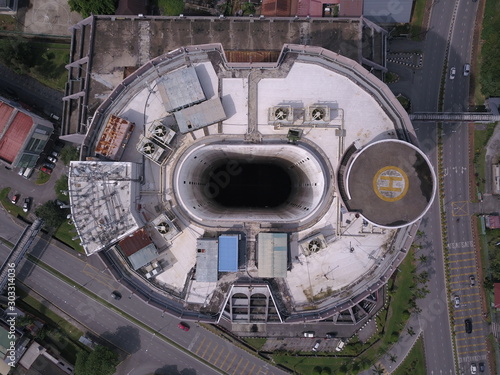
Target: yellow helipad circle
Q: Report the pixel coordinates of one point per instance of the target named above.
(390, 183)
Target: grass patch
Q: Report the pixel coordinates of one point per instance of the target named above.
(42, 178)
(171, 7)
(417, 31)
(65, 233)
(414, 364)
(42, 61)
(7, 22)
(489, 77)
(481, 138)
(256, 343)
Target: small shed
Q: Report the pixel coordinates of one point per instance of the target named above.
(228, 252)
(272, 254)
(207, 257)
(139, 249)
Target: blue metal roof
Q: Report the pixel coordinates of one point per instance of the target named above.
(228, 253)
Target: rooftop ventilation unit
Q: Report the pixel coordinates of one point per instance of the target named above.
(281, 114)
(152, 149)
(160, 132)
(313, 244)
(318, 113)
(165, 226)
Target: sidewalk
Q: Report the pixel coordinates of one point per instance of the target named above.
(399, 351)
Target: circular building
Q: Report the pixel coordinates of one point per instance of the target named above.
(252, 192)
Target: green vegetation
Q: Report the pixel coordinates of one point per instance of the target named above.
(42, 61)
(414, 363)
(417, 29)
(7, 22)
(405, 102)
(88, 7)
(101, 361)
(481, 138)
(171, 7)
(61, 185)
(256, 343)
(489, 77)
(391, 77)
(42, 178)
(52, 215)
(65, 233)
(68, 154)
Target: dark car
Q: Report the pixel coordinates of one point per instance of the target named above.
(46, 170)
(49, 165)
(183, 326)
(15, 198)
(468, 325)
(116, 295)
(27, 204)
(472, 280)
(481, 367)
(331, 335)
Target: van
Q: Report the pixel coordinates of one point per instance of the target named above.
(28, 172)
(21, 171)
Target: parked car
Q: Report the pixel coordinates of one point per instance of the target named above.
(308, 333)
(27, 204)
(316, 346)
(15, 198)
(466, 70)
(473, 368)
(468, 325)
(481, 367)
(21, 171)
(183, 326)
(340, 346)
(116, 295)
(472, 280)
(49, 165)
(457, 302)
(453, 71)
(54, 154)
(46, 170)
(331, 335)
(52, 159)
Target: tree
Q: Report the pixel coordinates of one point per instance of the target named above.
(61, 185)
(411, 331)
(423, 258)
(68, 154)
(88, 7)
(102, 361)
(51, 214)
(378, 369)
(393, 358)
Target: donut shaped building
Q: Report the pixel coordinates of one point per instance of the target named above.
(253, 192)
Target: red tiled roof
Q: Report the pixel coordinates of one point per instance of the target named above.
(493, 222)
(497, 295)
(5, 112)
(276, 8)
(351, 8)
(14, 137)
(135, 242)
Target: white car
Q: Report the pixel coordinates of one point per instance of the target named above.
(308, 334)
(473, 368)
(457, 302)
(340, 346)
(453, 71)
(315, 347)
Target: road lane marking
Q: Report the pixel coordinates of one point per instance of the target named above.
(463, 253)
(205, 352)
(461, 268)
(237, 365)
(470, 337)
(234, 358)
(213, 352)
(251, 370)
(193, 341)
(201, 345)
(244, 368)
(470, 345)
(460, 208)
(225, 359)
(461, 260)
(217, 359)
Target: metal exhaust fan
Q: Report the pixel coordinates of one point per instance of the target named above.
(160, 131)
(318, 114)
(314, 246)
(281, 114)
(148, 148)
(163, 227)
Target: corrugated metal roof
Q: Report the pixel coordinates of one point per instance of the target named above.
(114, 137)
(200, 115)
(207, 259)
(5, 113)
(144, 256)
(228, 253)
(272, 254)
(15, 136)
(180, 88)
(135, 242)
(383, 11)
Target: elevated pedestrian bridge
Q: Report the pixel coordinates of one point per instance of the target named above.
(18, 252)
(454, 117)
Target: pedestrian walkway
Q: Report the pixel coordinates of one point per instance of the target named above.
(396, 355)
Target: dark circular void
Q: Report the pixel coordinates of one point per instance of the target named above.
(255, 185)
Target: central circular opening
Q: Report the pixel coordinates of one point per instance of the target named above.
(254, 185)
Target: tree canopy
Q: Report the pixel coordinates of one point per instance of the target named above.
(88, 7)
(51, 214)
(102, 361)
